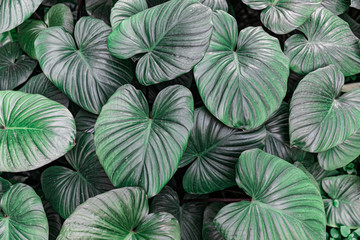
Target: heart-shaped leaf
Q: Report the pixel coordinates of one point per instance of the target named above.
(85, 121)
(209, 231)
(240, 70)
(124, 9)
(283, 16)
(328, 40)
(189, 214)
(82, 68)
(58, 15)
(285, 203)
(320, 119)
(15, 12)
(100, 9)
(119, 214)
(336, 6)
(216, 4)
(343, 205)
(33, 131)
(171, 38)
(39, 84)
(139, 149)
(214, 150)
(65, 188)
(22, 215)
(15, 68)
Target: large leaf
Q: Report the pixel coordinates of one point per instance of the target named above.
(209, 231)
(214, 150)
(283, 16)
(139, 149)
(336, 6)
(124, 9)
(39, 84)
(15, 68)
(216, 4)
(119, 214)
(343, 206)
(342, 154)
(15, 12)
(328, 40)
(320, 119)
(22, 215)
(33, 131)
(188, 214)
(238, 71)
(100, 8)
(277, 139)
(65, 188)
(172, 38)
(82, 68)
(285, 203)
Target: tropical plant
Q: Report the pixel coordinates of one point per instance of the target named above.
(180, 119)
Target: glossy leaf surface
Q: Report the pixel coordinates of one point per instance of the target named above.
(336, 6)
(124, 9)
(209, 230)
(216, 4)
(139, 149)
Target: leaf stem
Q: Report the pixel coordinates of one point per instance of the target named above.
(37, 16)
(80, 6)
(227, 200)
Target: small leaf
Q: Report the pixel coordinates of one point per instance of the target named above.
(345, 231)
(239, 70)
(22, 215)
(346, 190)
(119, 214)
(4, 186)
(85, 121)
(283, 198)
(137, 149)
(54, 219)
(15, 68)
(320, 119)
(328, 40)
(65, 188)
(171, 37)
(60, 15)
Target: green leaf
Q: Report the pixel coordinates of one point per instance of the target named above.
(119, 214)
(139, 149)
(300, 166)
(283, 16)
(213, 150)
(22, 215)
(342, 154)
(89, 74)
(171, 38)
(4, 186)
(336, 6)
(28, 32)
(354, 25)
(65, 188)
(39, 84)
(345, 190)
(238, 71)
(345, 231)
(215, 4)
(209, 231)
(285, 204)
(189, 215)
(33, 131)
(54, 219)
(60, 15)
(100, 9)
(316, 170)
(124, 9)
(320, 119)
(328, 40)
(277, 140)
(85, 121)
(15, 12)
(15, 68)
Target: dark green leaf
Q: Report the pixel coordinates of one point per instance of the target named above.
(54, 219)
(139, 149)
(100, 9)
(209, 231)
(238, 71)
(15, 68)
(15, 12)
(60, 15)
(22, 215)
(66, 188)
(328, 40)
(343, 205)
(283, 16)
(214, 149)
(85, 121)
(354, 25)
(336, 6)
(172, 37)
(39, 84)
(312, 165)
(320, 119)
(285, 204)
(124, 9)
(119, 214)
(189, 215)
(33, 131)
(4, 186)
(82, 68)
